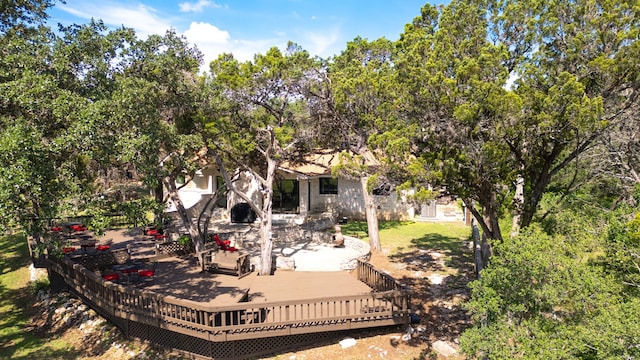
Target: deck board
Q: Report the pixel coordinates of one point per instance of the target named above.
(182, 278)
(302, 285)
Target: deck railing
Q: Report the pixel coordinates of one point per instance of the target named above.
(387, 304)
(376, 279)
(115, 220)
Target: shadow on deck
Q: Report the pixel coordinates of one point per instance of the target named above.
(225, 317)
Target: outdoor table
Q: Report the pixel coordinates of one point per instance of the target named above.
(76, 256)
(126, 269)
(86, 245)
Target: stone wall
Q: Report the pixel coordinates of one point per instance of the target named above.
(362, 248)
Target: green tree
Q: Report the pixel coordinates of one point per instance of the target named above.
(502, 144)
(23, 14)
(261, 120)
(40, 166)
(546, 296)
(575, 80)
(358, 108)
(153, 117)
(454, 80)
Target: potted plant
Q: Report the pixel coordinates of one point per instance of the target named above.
(184, 240)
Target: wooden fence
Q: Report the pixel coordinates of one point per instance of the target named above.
(243, 330)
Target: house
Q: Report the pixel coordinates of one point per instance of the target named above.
(304, 191)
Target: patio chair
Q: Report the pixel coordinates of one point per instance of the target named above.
(132, 274)
(111, 277)
(78, 228)
(160, 237)
(147, 275)
(224, 244)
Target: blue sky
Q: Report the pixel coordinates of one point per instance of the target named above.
(247, 27)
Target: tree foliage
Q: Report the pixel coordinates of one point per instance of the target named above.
(22, 14)
(548, 296)
(359, 107)
(510, 93)
(260, 120)
(41, 162)
(454, 80)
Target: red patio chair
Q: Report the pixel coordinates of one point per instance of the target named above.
(103, 247)
(151, 232)
(68, 249)
(78, 227)
(111, 277)
(147, 275)
(224, 244)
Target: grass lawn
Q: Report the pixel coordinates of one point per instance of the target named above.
(401, 238)
(16, 300)
(398, 236)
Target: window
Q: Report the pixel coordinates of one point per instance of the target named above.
(328, 186)
(286, 196)
(222, 188)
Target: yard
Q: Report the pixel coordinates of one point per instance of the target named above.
(434, 260)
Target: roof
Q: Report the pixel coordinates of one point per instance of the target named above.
(321, 162)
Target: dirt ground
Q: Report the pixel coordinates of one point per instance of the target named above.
(439, 287)
(437, 278)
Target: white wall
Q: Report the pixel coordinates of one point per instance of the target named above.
(349, 202)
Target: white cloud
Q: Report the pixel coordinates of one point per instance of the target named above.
(242, 50)
(210, 39)
(200, 32)
(197, 7)
(321, 43)
(143, 19)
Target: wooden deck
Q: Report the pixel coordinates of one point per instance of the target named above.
(299, 285)
(220, 316)
(182, 278)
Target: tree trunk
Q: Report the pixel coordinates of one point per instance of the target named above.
(198, 240)
(477, 249)
(266, 238)
(491, 218)
(518, 202)
(371, 214)
(532, 199)
(488, 221)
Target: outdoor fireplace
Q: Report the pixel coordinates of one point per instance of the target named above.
(242, 213)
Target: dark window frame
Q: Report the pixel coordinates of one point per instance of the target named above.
(221, 186)
(328, 186)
